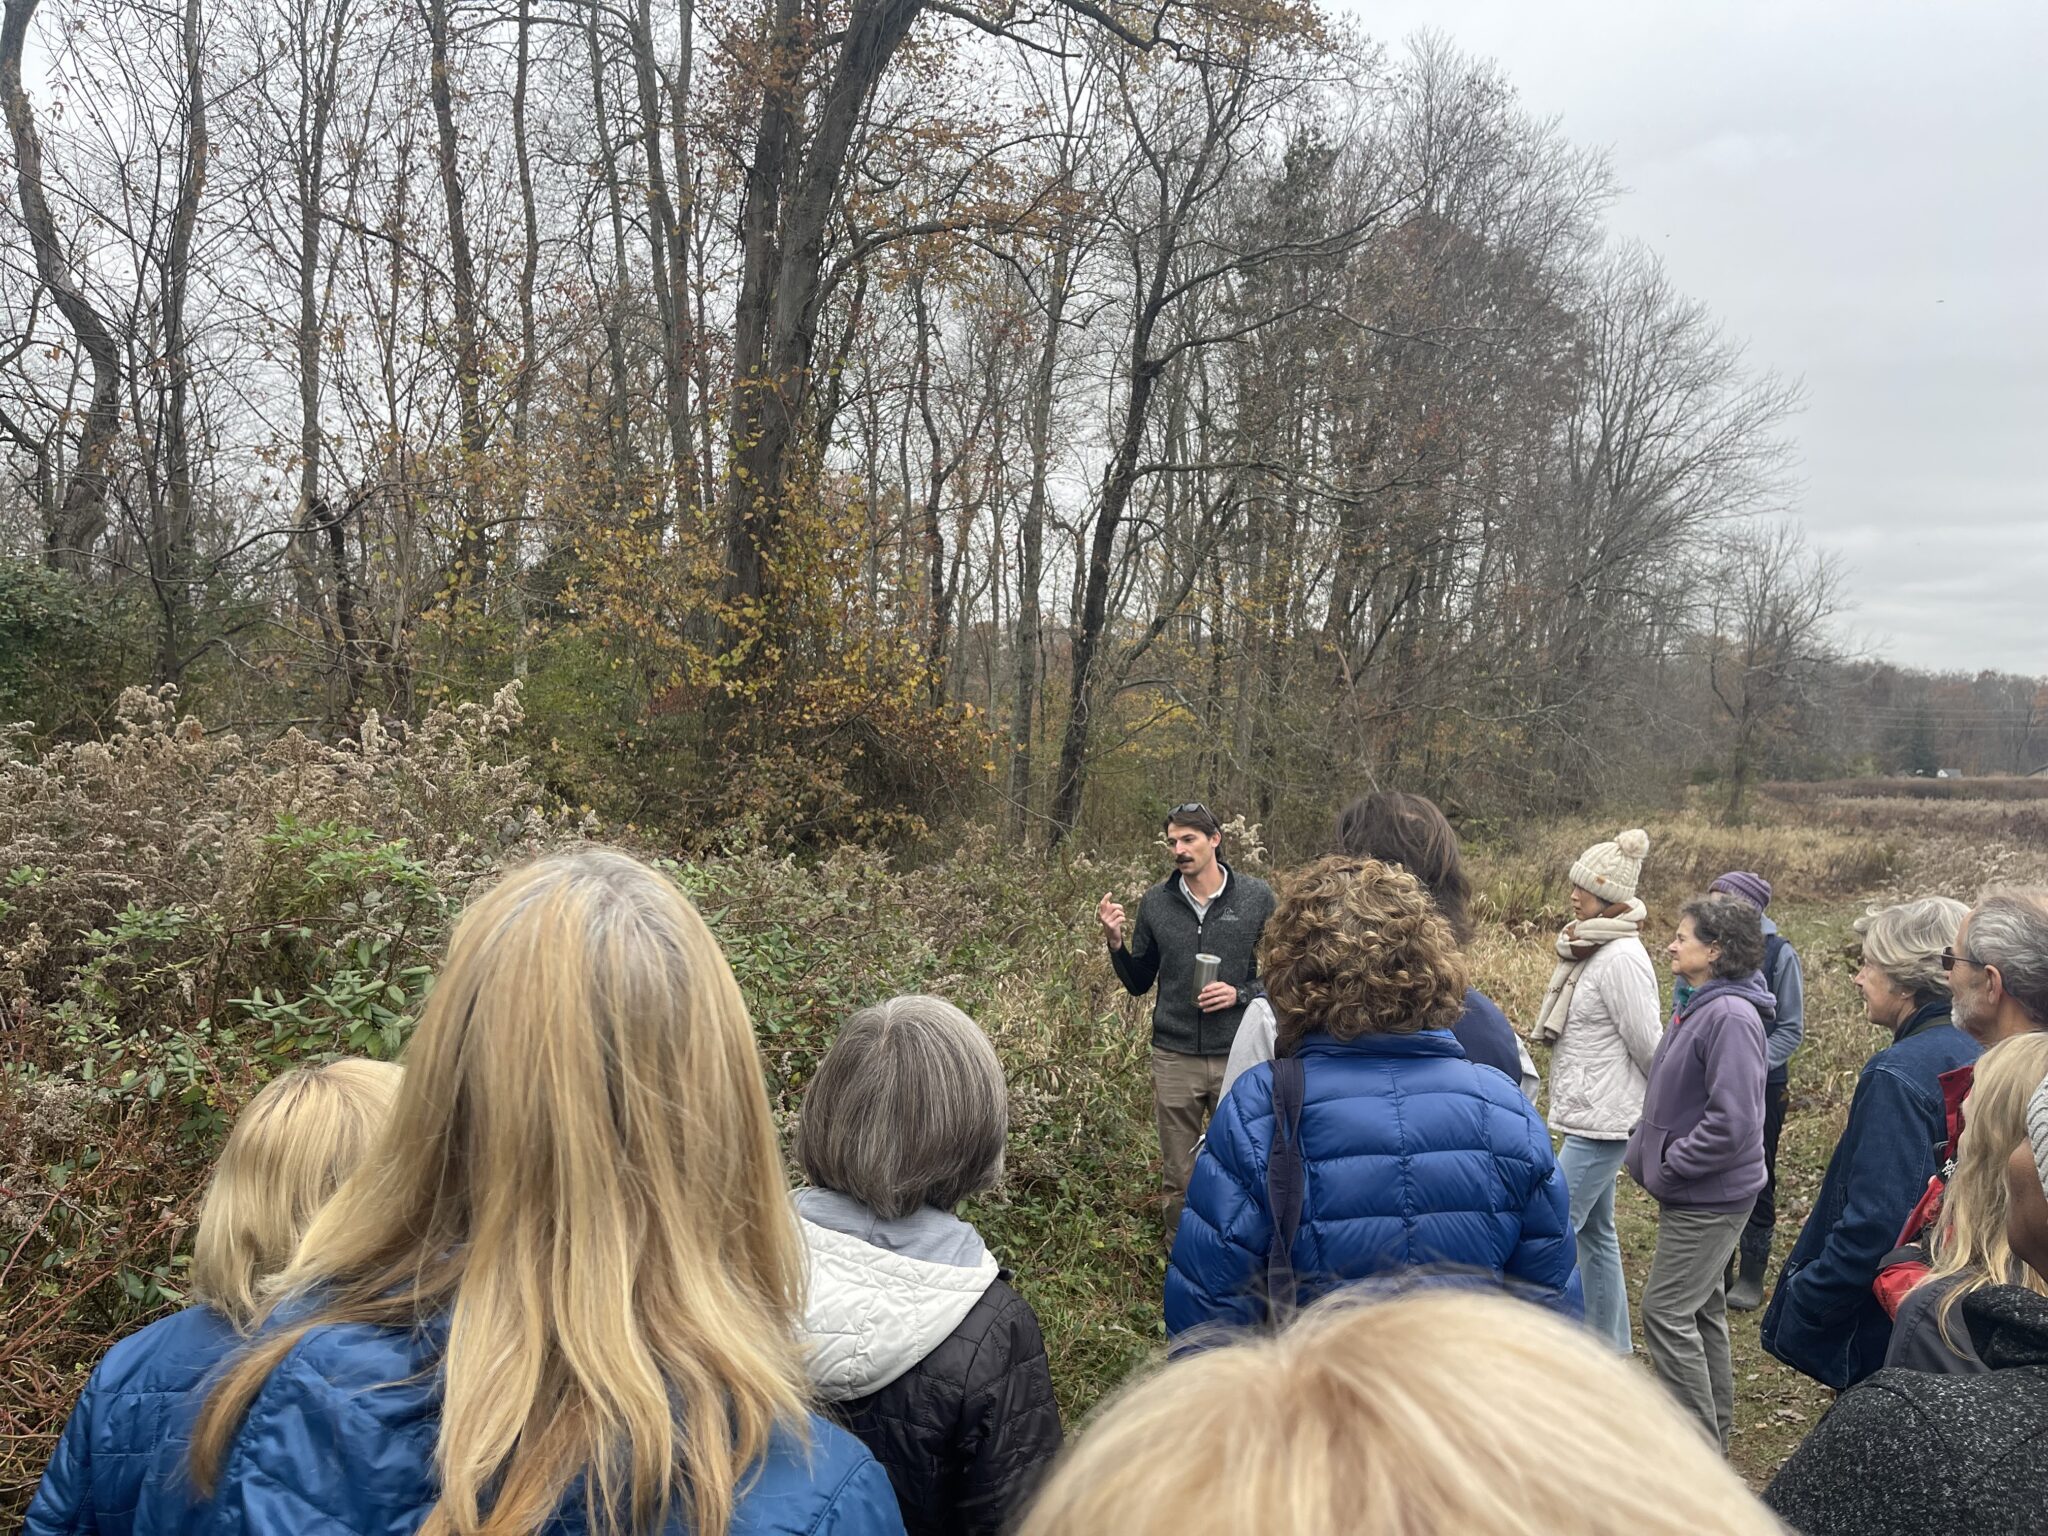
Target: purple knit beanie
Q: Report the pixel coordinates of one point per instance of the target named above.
(1754, 889)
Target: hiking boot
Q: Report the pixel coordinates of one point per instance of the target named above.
(1747, 1293)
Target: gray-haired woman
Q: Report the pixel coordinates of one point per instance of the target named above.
(918, 1343)
(1823, 1318)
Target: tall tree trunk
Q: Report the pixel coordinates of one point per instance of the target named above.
(81, 511)
(1117, 483)
(171, 561)
(471, 540)
(618, 430)
(1031, 539)
(665, 253)
(783, 226)
(522, 393)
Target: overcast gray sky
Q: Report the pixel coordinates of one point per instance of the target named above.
(1861, 192)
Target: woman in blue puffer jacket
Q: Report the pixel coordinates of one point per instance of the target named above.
(289, 1151)
(564, 1292)
(1412, 1157)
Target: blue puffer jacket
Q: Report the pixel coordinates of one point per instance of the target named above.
(1823, 1318)
(1411, 1156)
(340, 1442)
(123, 1419)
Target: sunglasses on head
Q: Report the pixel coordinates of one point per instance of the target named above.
(1188, 808)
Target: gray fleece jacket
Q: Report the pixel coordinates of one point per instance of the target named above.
(1161, 947)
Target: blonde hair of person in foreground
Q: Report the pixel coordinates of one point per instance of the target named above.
(1970, 1238)
(291, 1148)
(1440, 1410)
(581, 1174)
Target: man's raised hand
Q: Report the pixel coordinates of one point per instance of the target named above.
(1111, 916)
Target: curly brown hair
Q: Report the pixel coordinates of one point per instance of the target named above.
(1356, 947)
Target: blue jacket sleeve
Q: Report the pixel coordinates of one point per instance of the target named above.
(1219, 1253)
(864, 1505)
(1789, 1028)
(1887, 1148)
(63, 1504)
(1547, 1257)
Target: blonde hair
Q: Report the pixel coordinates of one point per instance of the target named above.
(1386, 1418)
(1905, 942)
(290, 1150)
(581, 1173)
(1970, 1239)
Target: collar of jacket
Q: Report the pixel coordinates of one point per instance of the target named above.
(2009, 1326)
(1926, 1016)
(1173, 885)
(1421, 1042)
(1715, 986)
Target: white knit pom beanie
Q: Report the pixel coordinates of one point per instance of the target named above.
(2037, 1130)
(1609, 870)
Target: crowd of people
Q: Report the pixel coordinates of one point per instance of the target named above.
(551, 1276)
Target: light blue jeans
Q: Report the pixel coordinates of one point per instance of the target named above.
(1589, 1169)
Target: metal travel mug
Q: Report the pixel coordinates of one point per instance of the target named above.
(1206, 967)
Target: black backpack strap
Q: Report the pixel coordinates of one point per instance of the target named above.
(1284, 1185)
(1774, 951)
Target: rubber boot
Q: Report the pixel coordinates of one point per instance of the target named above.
(1747, 1293)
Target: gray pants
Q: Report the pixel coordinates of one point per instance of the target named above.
(1685, 1312)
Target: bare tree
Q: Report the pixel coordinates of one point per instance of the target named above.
(1769, 642)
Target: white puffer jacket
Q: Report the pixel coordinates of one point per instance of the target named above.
(1600, 1066)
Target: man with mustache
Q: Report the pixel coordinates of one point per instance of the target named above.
(1204, 907)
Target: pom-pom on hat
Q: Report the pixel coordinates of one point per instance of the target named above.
(1609, 870)
(1754, 889)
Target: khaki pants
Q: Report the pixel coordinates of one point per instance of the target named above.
(1685, 1314)
(1184, 1094)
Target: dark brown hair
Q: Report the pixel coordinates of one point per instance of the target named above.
(1732, 924)
(1193, 813)
(1399, 828)
(1356, 947)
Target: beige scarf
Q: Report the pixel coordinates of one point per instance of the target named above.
(1575, 946)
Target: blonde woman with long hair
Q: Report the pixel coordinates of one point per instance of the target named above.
(290, 1149)
(564, 1292)
(1420, 1413)
(1970, 1249)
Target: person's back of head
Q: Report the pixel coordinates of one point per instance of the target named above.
(1970, 1240)
(291, 1148)
(1399, 828)
(1356, 947)
(581, 1175)
(1905, 942)
(1430, 1412)
(2008, 930)
(907, 1109)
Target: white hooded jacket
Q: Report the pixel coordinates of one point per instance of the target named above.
(878, 1303)
(1600, 1066)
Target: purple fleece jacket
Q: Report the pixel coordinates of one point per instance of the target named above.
(1700, 1142)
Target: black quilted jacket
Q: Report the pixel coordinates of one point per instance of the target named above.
(966, 1433)
(1908, 1453)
